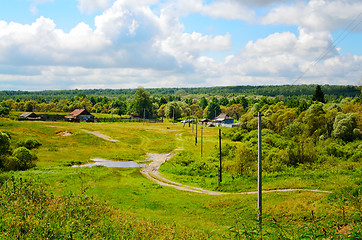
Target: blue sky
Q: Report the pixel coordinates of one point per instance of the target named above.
(68, 44)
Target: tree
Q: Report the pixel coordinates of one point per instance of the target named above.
(162, 101)
(30, 106)
(196, 111)
(343, 126)
(142, 102)
(4, 143)
(315, 118)
(319, 95)
(188, 101)
(203, 103)
(244, 102)
(173, 110)
(161, 111)
(4, 111)
(213, 109)
(234, 110)
(224, 101)
(21, 159)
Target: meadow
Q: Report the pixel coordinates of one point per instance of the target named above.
(116, 203)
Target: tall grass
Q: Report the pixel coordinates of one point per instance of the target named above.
(29, 211)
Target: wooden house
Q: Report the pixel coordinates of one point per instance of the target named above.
(29, 116)
(79, 115)
(223, 119)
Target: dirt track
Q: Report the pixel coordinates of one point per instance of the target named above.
(151, 172)
(101, 135)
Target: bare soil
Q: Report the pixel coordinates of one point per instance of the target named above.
(101, 135)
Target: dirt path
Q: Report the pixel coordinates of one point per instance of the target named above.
(151, 172)
(101, 135)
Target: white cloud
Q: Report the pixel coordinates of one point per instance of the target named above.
(33, 6)
(90, 6)
(281, 58)
(226, 9)
(260, 3)
(317, 14)
(126, 35)
(135, 44)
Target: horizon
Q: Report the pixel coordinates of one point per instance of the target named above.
(135, 88)
(123, 44)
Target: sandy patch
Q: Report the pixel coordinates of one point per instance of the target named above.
(64, 134)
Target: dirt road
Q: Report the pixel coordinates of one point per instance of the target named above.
(101, 135)
(151, 172)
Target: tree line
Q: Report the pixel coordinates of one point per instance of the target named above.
(331, 91)
(180, 105)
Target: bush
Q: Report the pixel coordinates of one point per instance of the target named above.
(4, 111)
(4, 143)
(29, 143)
(185, 158)
(21, 159)
(343, 126)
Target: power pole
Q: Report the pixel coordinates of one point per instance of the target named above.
(173, 115)
(220, 168)
(144, 115)
(196, 133)
(202, 130)
(192, 123)
(260, 199)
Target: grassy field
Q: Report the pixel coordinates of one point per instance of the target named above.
(289, 215)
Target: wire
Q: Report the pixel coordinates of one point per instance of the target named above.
(332, 45)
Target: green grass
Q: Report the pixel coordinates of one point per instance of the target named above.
(189, 215)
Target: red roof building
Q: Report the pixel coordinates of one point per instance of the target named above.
(80, 115)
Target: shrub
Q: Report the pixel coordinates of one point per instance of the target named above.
(343, 126)
(21, 159)
(29, 143)
(185, 158)
(4, 111)
(4, 143)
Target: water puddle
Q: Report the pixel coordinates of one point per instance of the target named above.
(109, 163)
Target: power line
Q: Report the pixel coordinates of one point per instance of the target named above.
(347, 30)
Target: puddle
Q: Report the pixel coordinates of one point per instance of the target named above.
(109, 163)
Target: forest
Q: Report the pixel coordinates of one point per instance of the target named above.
(180, 103)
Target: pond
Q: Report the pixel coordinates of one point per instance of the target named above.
(109, 163)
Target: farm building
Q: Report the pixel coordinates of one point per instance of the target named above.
(29, 116)
(223, 119)
(48, 117)
(80, 115)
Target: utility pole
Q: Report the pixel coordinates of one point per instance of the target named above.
(144, 115)
(202, 130)
(192, 123)
(196, 133)
(220, 168)
(173, 115)
(260, 199)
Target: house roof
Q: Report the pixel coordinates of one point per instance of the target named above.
(77, 112)
(28, 114)
(222, 117)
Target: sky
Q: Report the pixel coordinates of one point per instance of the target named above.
(88, 44)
